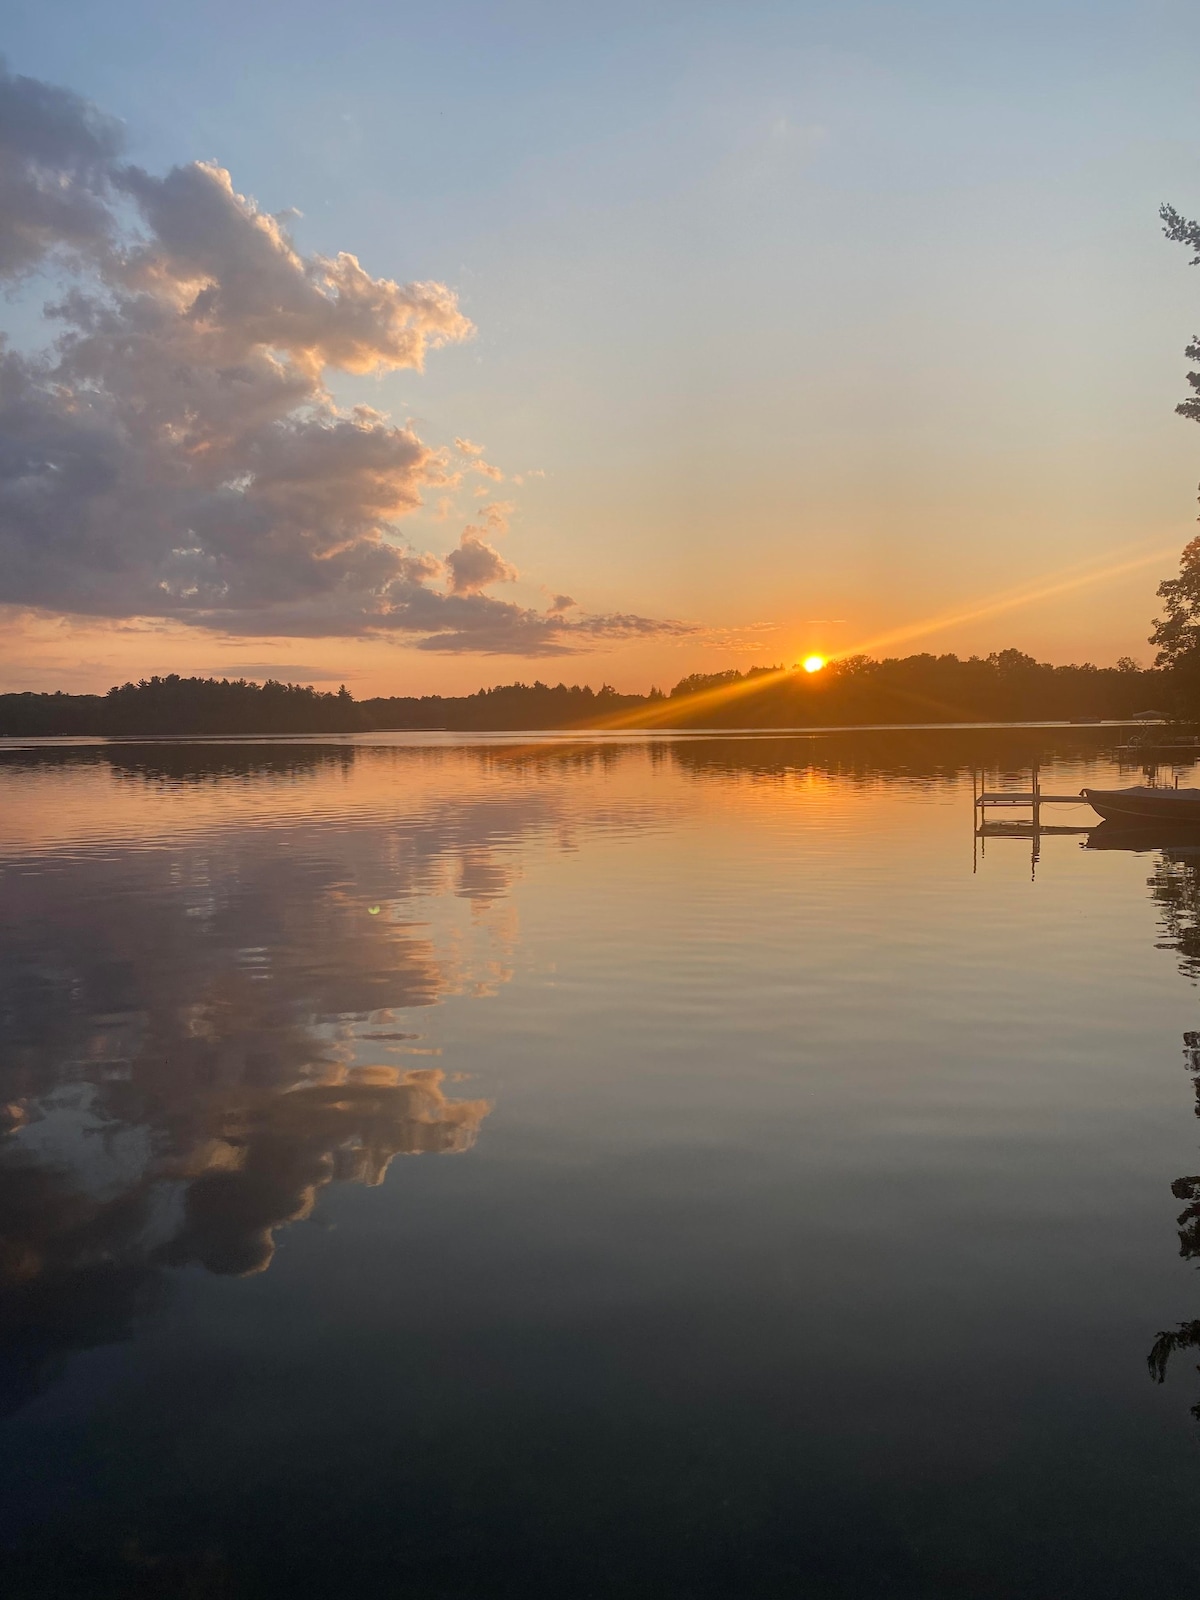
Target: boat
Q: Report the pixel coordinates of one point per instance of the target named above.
(1145, 803)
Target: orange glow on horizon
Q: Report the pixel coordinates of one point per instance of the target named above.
(1052, 584)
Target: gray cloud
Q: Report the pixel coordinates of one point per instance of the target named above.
(176, 453)
(57, 155)
(476, 564)
(531, 633)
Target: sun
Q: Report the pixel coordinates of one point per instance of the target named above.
(813, 663)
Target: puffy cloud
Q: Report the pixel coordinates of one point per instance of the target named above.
(475, 564)
(249, 288)
(56, 159)
(562, 602)
(177, 452)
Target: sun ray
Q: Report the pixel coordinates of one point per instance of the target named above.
(1064, 581)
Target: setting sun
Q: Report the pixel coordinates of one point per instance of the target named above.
(813, 663)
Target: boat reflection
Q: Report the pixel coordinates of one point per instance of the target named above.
(1144, 837)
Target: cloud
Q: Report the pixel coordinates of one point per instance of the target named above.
(746, 638)
(57, 155)
(276, 1153)
(176, 453)
(475, 564)
(467, 447)
(496, 514)
(562, 602)
(253, 290)
(528, 633)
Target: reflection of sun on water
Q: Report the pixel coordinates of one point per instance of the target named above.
(813, 663)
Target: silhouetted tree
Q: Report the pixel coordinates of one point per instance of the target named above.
(1177, 633)
(925, 688)
(1185, 1337)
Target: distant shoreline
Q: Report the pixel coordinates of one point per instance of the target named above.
(1006, 687)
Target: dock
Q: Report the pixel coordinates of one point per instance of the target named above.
(1032, 800)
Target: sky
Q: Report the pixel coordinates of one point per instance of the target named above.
(422, 347)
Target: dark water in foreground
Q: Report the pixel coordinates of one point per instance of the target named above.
(663, 1169)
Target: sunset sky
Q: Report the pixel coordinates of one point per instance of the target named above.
(735, 332)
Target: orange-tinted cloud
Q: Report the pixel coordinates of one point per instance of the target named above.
(476, 564)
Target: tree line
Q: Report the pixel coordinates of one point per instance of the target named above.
(1007, 686)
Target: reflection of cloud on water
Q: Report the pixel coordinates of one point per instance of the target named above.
(77, 1267)
(191, 1037)
(207, 956)
(73, 1272)
(265, 1163)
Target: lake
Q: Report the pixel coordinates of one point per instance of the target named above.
(661, 1166)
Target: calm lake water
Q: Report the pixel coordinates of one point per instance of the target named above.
(643, 1168)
